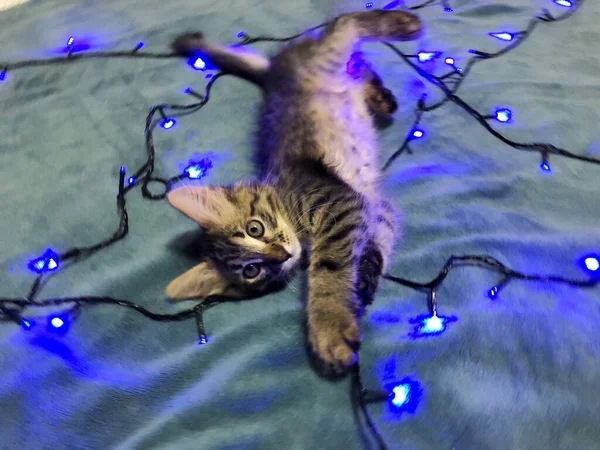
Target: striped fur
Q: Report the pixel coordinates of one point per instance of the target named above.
(318, 194)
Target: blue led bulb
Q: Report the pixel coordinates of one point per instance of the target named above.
(503, 115)
(57, 322)
(168, 123)
(545, 167)
(424, 56)
(401, 395)
(417, 134)
(449, 61)
(405, 395)
(195, 171)
(27, 324)
(240, 34)
(131, 180)
(197, 63)
(70, 41)
(493, 292)
(565, 3)
(433, 324)
(47, 262)
(369, 5)
(592, 263)
(503, 36)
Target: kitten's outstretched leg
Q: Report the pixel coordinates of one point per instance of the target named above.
(334, 302)
(333, 330)
(343, 35)
(240, 61)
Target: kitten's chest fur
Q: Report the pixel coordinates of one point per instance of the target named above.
(334, 127)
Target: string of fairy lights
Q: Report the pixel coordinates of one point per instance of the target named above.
(403, 395)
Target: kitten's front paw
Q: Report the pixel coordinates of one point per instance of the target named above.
(334, 335)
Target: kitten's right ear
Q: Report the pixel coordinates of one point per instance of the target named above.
(209, 206)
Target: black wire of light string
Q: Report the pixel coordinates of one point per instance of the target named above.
(145, 173)
(450, 93)
(30, 301)
(73, 57)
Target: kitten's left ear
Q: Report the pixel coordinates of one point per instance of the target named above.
(199, 282)
(209, 206)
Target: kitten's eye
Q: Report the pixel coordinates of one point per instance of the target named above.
(251, 271)
(255, 229)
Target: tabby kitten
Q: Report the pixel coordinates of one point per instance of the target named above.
(318, 195)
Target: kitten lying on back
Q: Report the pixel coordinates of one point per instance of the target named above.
(319, 189)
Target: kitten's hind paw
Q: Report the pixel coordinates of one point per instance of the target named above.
(187, 43)
(334, 337)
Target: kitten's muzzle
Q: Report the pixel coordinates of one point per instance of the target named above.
(277, 254)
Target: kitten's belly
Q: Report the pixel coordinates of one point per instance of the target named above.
(346, 138)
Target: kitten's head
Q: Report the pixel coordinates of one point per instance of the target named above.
(252, 246)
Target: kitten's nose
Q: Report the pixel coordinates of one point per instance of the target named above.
(276, 253)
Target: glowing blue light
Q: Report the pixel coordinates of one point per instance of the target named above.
(140, 45)
(70, 41)
(418, 134)
(503, 36)
(433, 324)
(131, 180)
(566, 3)
(198, 63)
(57, 322)
(448, 10)
(122, 169)
(197, 170)
(240, 34)
(47, 262)
(545, 167)
(27, 324)
(369, 5)
(168, 123)
(449, 61)
(591, 263)
(493, 292)
(2, 75)
(429, 325)
(428, 56)
(503, 115)
(193, 172)
(401, 395)
(203, 340)
(405, 395)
